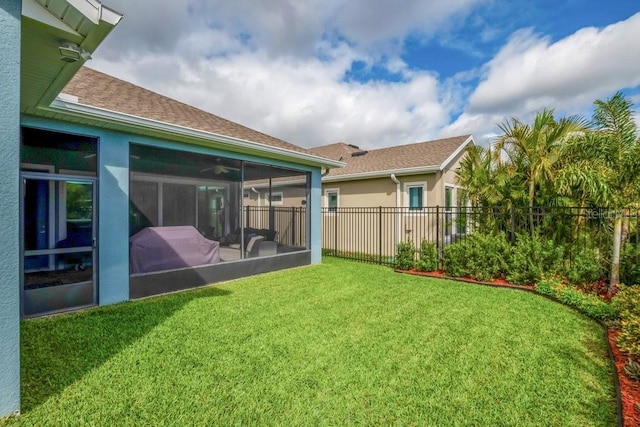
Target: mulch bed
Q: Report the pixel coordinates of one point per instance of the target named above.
(629, 389)
(441, 275)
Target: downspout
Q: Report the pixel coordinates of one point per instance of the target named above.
(259, 204)
(258, 193)
(397, 216)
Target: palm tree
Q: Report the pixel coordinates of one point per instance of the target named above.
(617, 150)
(476, 176)
(537, 148)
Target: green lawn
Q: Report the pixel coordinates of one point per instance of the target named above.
(337, 344)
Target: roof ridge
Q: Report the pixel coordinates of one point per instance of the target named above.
(462, 138)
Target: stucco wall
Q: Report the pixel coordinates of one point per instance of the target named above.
(10, 13)
(382, 191)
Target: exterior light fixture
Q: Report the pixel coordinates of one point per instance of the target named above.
(71, 52)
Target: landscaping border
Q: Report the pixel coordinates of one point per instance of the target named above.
(531, 289)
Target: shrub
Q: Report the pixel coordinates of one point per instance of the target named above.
(479, 256)
(428, 260)
(405, 256)
(531, 257)
(632, 369)
(584, 268)
(627, 301)
(590, 305)
(630, 264)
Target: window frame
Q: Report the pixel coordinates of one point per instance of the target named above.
(407, 195)
(328, 191)
(276, 193)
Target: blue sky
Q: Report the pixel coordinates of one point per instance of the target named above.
(375, 72)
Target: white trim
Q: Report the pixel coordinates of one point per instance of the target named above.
(325, 198)
(458, 151)
(382, 174)
(406, 196)
(454, 197)
(59, 105)
(34, 10)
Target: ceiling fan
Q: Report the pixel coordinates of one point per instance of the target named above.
(219, 169)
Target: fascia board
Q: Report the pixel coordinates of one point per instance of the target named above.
(381, 174)
(455, 154)
(101, 114)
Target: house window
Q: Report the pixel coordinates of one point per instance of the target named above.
(276, 199)
(416, 200)
(332, 196)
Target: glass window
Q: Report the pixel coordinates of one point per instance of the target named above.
(448, 198)
(415, 197)
(276, 198)
(63, 153)
(332, 200)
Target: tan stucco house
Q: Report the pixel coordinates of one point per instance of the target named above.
(409, 176)
(388, 195)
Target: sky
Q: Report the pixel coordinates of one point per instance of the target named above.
(378, 73)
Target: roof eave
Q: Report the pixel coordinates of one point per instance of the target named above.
(66, 105)
(382, 174)
(458, 150)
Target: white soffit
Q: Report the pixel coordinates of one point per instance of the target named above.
(36, 11)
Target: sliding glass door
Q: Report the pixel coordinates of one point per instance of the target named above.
(58, 242)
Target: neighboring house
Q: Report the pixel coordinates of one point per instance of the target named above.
(111, 192)
(414, 184)
(411, 176)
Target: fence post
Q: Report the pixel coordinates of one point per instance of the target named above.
(379, 234)
(438, 229)
(335, 232)
(293, 225)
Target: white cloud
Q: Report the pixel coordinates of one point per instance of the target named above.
(279, 67)
(530, 72)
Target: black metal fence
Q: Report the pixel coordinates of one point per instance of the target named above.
(371, 234)
(290, 223)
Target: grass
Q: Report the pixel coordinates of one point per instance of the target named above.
(337, 344)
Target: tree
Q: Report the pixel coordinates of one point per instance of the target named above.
(537, 148)
(616, 150)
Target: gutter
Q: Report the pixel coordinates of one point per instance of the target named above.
(383, 174)
(65, 104)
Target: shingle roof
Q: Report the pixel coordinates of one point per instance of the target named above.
(419, 155)
(100, 90)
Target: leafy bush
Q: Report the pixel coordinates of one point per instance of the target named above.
(630, 264)
(428, 260)
(590, 305)
(405, 256)
(632, 369)
(627, 301)
(585, 267)
(531, 257)
(479, 256)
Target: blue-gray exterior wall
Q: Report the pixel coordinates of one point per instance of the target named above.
(113, 199)
(10, 13)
